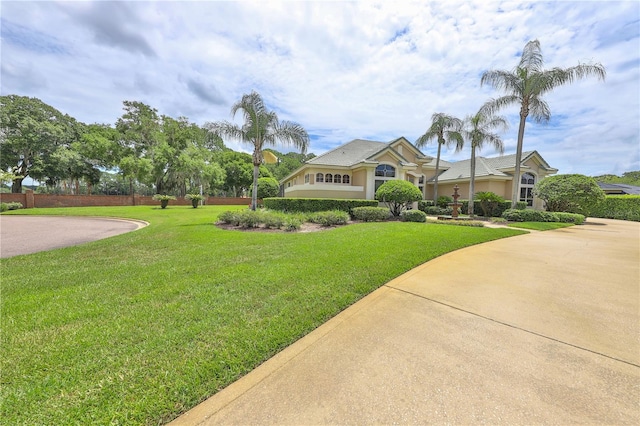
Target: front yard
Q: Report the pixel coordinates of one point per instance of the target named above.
(139, 328)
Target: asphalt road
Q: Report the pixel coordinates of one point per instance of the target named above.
(31, 234)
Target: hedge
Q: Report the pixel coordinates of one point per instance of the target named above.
(515, 215)
(371, 214)
(625, 207)
(305, 205)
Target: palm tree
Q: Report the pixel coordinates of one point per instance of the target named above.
(447, 131)
(526, 85)
(261, 127)
(478, 131)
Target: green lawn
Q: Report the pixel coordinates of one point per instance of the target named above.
(140, 327)
(539, 226)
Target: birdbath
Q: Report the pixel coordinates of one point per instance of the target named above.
(455, 203)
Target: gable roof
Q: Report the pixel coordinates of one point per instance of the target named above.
(494, 166)
(360, 151)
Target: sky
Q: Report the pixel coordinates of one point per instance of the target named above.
(344, 70)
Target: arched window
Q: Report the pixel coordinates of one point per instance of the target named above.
(337, 179)
(385, 170)
(527, 181)
(345, 179)
(328, 178)
(319, 178)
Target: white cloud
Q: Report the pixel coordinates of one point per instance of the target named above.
(343, 70)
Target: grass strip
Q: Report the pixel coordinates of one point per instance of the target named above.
(140, 327)
(539, 226)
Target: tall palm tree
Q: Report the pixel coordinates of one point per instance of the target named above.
(261, 127)
(479, 130)
(446, 129)
(526, 85)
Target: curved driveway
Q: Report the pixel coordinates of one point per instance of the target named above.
(31, 234)
(541, 328)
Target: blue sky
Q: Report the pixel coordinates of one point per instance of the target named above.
(344, 70)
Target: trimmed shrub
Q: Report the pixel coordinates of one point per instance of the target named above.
(576, 218)
(423, 204)
(371, 214)
(304, 205)
(438, 211)
(413, 216)
(624, 207)
(397, 195)
(443, 201)
(569, 193)
(528, 215)
(330, 218)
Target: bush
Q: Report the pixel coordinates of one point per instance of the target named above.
(443, 201)
(10, 206)
(497, 210)
(576, 218)
(330, 218)
(569, 193)
(230, 217)
(304, 205)
(520, 205)
(413, 216)
(249, 218)
(625, 207)
(528, 215)
(489, 203)
(370, 214)
(423, 204)
(292, 223)
(268, 187)
(274, 220)
(397, 195)
(438, 211)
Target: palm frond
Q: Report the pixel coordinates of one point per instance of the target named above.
(510, 82)
(539, 109)
(291, 133)
(531, 58)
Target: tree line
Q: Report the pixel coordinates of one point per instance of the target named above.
(143, 152)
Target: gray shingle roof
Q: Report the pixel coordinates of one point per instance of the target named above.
(351, 153)
(484, 167)
(620, 187)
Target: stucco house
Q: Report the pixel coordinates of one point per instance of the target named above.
(357, 168)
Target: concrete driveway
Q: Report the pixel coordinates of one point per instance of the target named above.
(31, 234)
(542, 328)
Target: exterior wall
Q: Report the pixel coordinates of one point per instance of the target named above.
(31, 200)
(497, 186)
